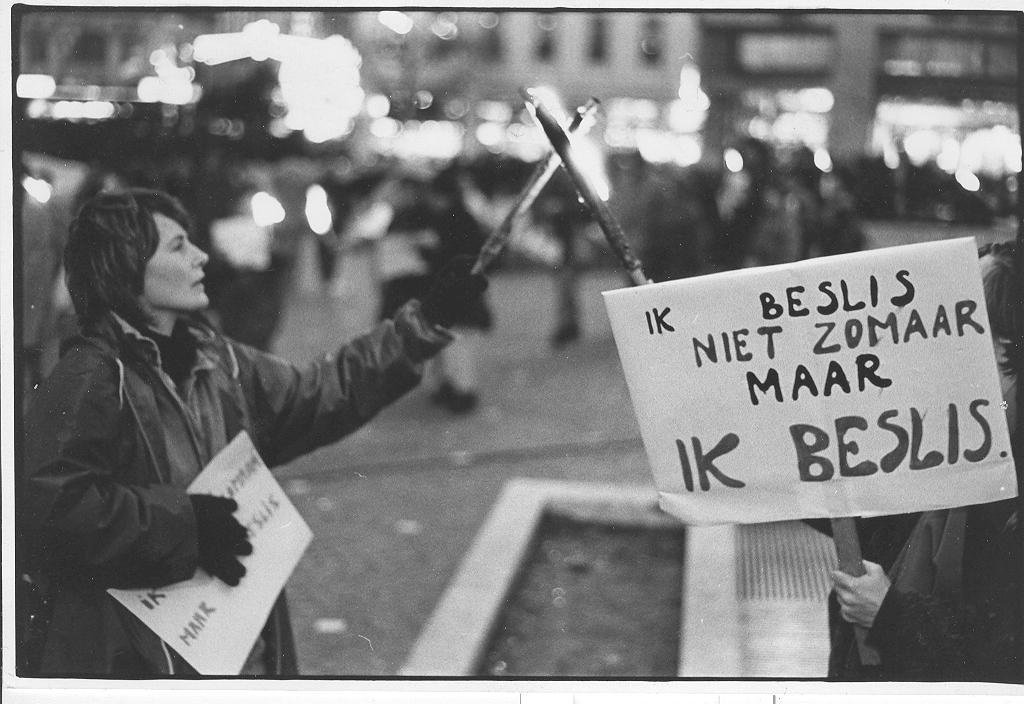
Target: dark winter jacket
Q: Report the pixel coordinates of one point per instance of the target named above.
(953, 610)
(111, 444)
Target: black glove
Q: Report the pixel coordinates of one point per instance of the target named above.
(221, 537)
(453, 290)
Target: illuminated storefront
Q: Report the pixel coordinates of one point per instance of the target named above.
(949, 100)
(771, 80)
(859, 82)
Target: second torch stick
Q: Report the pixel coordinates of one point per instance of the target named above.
(542, 174)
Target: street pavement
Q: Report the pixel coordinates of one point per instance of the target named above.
(394, 506)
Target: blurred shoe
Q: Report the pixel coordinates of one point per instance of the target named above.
(443, 395)
(463, 402)
(453, 399)
(565, 334)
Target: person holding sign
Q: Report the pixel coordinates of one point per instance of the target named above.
(140, 402)
(941, 593)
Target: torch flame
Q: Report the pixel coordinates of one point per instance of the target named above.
(591, 161)
(585, 152)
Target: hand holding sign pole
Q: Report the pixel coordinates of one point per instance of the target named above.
(844, 533)
(563, 147)
(542, 174)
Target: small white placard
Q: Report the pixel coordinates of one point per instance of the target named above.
(214, 626)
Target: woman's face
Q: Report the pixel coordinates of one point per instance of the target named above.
(173, 282)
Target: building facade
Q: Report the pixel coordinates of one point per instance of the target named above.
(847, 82)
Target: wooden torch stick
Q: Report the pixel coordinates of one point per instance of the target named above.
(598, 208)
(844, 533)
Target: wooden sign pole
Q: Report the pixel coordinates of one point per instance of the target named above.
(844, 533)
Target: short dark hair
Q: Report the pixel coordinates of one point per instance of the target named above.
(109, 243)
(999, 282)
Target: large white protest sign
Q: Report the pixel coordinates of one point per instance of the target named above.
(856, 385)
(214, 626)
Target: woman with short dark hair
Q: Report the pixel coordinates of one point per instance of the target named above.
(141, 400)
(111, 239)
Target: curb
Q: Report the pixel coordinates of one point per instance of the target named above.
(710, 631)
(752, 597)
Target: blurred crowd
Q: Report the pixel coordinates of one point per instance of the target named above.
(764, 205)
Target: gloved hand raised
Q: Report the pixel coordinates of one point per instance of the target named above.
(221, 537)
(453, 290)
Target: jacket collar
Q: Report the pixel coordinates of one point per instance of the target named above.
(121, 334)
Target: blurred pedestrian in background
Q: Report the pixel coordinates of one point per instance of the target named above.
(47, 206)
(841, 231)
(559, 211)
(452, 199)
(249, 292)
(743, 203)
(362, 210)
(680, 224)
(941, 598)
(42, 245)
(143, 398)
(802, 198)
(359, 218)
(405, 253)
(786, 225)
